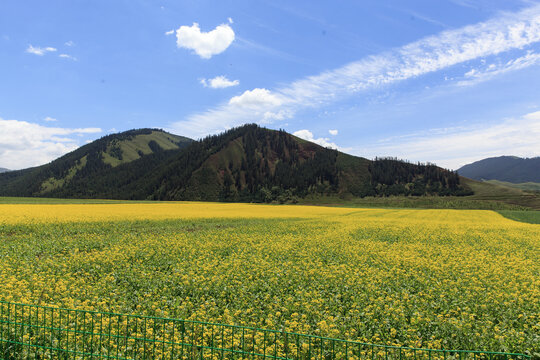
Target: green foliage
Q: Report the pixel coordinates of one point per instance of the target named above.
(392, 177)
(154, 146)
(116, 152)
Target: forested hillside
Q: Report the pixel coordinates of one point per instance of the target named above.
(89, 161)
(247, 163)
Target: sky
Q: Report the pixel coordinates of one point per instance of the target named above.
(447, 81)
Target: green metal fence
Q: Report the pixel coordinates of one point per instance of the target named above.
(41, 332)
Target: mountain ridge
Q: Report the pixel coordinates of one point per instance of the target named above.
(510, 169)
(96, 157)
(248, 163)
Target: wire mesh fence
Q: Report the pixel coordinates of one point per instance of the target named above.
(41, 332)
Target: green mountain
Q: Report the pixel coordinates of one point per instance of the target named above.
(504, 168)
(248, 163)
(91, 160)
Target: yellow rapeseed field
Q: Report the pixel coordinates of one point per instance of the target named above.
(461, 279)
(62, 213)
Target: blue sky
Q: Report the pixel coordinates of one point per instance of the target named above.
(448, 82)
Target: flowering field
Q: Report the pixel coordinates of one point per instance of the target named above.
(461, 279)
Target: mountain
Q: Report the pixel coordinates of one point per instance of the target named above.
(2, 170)
(504, 168)
(247, 163)
(91, 160)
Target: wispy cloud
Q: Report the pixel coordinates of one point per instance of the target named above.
(455, 147)
(254, 46)
(67, 56)
(427, 19)
(508, 31)
(49, 119)
(477, 75)
(24, 144)
(40, 51)
(466, 3)
(415, 15)
(219, 82)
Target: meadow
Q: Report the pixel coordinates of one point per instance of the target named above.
(460, 279)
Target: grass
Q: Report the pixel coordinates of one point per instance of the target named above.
(131, 147)
(36, 200)
(527, 186)
(531, 217)
(503, 194)
(411, 202)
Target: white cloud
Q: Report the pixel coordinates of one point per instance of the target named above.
(509, 31)
(219, 82)
(24, 144)
(256, 99)
(205, 44)
(269, 116)
(455, 147)
(39, 50)
(304, 134)
(333, 132)
(308, 135)
(69, 43)
(66, 56)
(534, 116)
(475, 76)
(49, 119)
(170, 32)
(230, 20)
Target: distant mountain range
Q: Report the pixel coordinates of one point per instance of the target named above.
(509, 169)
(3, 170)
(248, 163)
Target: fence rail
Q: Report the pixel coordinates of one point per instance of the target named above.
(42, 332)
